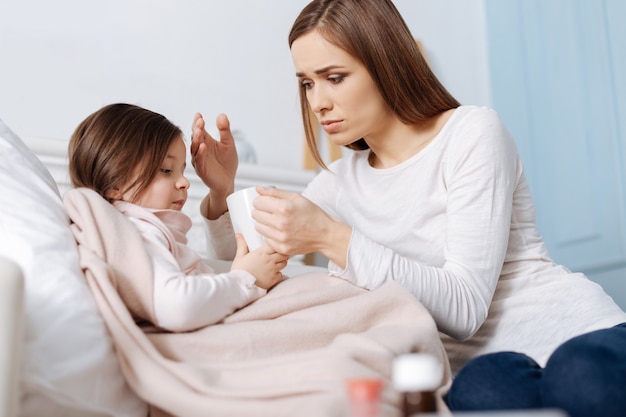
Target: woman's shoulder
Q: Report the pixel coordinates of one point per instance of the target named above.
(467, 114)
(479, 122)
(479, 134)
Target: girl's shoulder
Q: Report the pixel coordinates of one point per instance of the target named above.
(144, 219)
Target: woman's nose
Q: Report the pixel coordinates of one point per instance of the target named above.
(318, 100)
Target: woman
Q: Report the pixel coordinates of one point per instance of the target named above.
(434, 197)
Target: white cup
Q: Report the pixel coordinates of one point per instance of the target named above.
(240, 209)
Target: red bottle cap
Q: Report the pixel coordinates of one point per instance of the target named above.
(365, 390)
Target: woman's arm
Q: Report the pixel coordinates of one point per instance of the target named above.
(294, 225)
(455, 266)
(220, 238)
(215, 163)
(455, 273)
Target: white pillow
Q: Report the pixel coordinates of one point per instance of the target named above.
(69, 366)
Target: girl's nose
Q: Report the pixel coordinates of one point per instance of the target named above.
(182, 183)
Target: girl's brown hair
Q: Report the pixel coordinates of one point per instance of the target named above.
(117, 143)
(374, 32)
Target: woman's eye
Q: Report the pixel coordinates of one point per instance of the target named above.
(307, 85)
(336, 79)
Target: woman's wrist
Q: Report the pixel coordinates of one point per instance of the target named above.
(214, 205)
(336, 243)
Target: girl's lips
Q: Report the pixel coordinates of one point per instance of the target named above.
(179, 203)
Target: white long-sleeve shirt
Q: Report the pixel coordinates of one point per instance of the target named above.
(188, 294)
(455, 225)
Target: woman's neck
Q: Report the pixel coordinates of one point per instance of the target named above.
(402, 141)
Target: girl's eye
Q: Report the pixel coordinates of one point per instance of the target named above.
(166, 171)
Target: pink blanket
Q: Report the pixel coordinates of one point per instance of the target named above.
(288, 354)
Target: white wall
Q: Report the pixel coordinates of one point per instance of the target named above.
(60, 60)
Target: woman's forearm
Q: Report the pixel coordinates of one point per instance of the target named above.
(335, 240)
(213, 205)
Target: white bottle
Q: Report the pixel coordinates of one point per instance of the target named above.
(417, 376)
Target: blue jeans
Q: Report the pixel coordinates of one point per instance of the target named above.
(585, 377)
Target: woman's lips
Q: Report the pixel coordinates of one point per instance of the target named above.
(332, 126)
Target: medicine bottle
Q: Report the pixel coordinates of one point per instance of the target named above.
(417, 376)
(364, 397)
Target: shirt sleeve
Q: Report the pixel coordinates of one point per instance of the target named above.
(188, 301)
(481, 170)
(220, 238)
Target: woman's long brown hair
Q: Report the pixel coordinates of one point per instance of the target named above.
(374, 32)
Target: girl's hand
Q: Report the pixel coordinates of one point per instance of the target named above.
(215, 163)
(263, 263)
(294, 225)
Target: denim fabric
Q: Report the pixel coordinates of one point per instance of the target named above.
(585, 377)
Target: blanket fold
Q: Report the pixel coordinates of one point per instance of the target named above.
(289, 353)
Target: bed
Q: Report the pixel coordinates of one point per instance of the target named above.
(68, 350)
(12, 293)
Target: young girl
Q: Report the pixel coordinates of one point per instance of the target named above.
(434, 197)
(136, 159)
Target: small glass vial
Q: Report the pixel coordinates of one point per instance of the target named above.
(364, 397)
(417, 376)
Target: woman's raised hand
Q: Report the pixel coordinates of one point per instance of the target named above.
(215, 161)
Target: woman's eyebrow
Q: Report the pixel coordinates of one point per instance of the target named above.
(320, 71)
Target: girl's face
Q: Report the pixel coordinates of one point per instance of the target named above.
(340, 91)
(168, 189)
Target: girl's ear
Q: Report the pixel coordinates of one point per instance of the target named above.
(114, 194)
